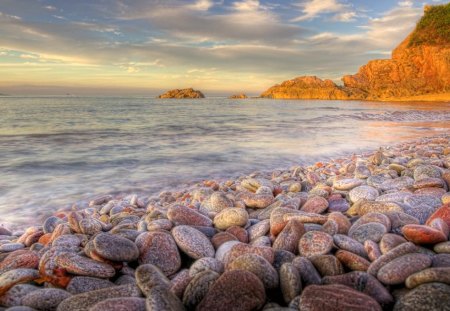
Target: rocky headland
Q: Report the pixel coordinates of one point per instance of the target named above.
(419, 69)
(238, 96)
(364, 232)
(182, 93)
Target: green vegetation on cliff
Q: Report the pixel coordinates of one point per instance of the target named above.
(433, 27)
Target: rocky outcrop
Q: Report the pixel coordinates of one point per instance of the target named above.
(238, 96)
(308, 87)
(182, 93)
(418, 70)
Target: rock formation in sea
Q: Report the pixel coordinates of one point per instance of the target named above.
(182, 93)
(420, 66)
(238, 96)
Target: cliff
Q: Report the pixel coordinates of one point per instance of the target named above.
(418, 70)
(182, 93)
(308, 87)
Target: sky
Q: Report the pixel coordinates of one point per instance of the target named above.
(222, 47)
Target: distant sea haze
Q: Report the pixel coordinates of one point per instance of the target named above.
(55, 151)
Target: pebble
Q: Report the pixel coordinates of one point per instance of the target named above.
(13, 297)
(115, 248)
(19, 259)
(182, 215)
(259, 229)
(45, 299)
(420, 234)
(159, 248)
(363, 192)
(82, 284)
(372, 249)
(179, 282)
(327, 265)
(443, 247)
(198, 287)
(290, 282)
(288, 239)
(149, 276)
(363, 282)
(11, 247)
(315, 243)
(399, 269)
(17, 276)
(339, 205)
(426, 171)
(80, 265)
(443, 213)
(258, 266)
(120, 304)
(192, 242)
(84, 301)
(162, 299)
(308, 273)
(426, 297)
(315, 205)
(240, 286)
(347, 184)
(439, 274)
(402, 249)
(371, 231)
(352, 261)
(336, 297)
(206, 263)
(389, 241)
(347, 243)
(231, 217)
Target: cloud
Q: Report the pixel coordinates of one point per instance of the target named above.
(314, 8)
(50, 8)
(201, 5)
(406, 3)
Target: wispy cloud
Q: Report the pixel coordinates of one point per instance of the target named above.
(314, 8)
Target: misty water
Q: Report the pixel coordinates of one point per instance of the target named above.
(55, 151)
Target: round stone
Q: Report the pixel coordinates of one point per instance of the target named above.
(13, 297)
(290, 282)
(198, 288)
(316, 205)
(443, 213)
(338, 205)
(218, 202)
(50, 224)
(259, 229)
(347, 243)
(45, 299)
(399, 269)
(182, 215)
(440, 274)
(347, 184)
(420, 234)
(315, 243)
(240, 286)
(240, 233)
(397, 184)
(179, 282)
(258, 266)
(390, 241)
(80, 265)
(289, 237)
(159, 248)
(371, 231)
(206, 263)
(363, 192)
(82, 284)
(85, 301)
(342, 221)
(17, 276)
(336, 297)
(242, 249)
(372, 249)
(327, 265)
(363, 282)
(443, 247)
(120, 304)
(19, 259)
(115, 248)
(149, 276)
(352, 261)
(222, 237)
(231, 217)
(192, 242)
(426, 171)
(308, 273)
(162, 299)
(426, 297)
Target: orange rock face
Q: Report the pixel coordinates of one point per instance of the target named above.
(419, 69)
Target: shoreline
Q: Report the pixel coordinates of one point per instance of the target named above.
(321, 225)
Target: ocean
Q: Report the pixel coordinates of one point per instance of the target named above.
(55, 151)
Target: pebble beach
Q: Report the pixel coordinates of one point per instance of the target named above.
(364, 232)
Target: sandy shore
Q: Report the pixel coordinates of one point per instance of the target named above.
(367, 231)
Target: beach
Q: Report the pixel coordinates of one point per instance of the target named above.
(370, 230)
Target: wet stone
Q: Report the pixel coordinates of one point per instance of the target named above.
(80, 265)
(308, 272)
(120, 304)
(290, 282)
(149, 276)
(45, 299)
(162, 299)
(206, 263)
(198, 288)
(421, 234)
(327, 265)
(115, 248)
(347, 243)
(13, 297)
(192, 242)
(426, 171)
(347, 184)
(316, 205)
(17, 276)
(242, 286)
(426, 297)
(182, 215)
(338, 205)
(371, 231)
(336, 297)
(231, 217)
(399, 269)
(352, 261)
(159, 248)
(390, 241)
(441, 275)
(363, 192)
(82, 284)
(258, 266)
(315, 243)
(288, 239)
